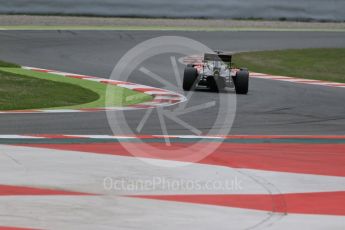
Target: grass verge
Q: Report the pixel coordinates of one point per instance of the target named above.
(20, 92)
(319, 64)
(26, 89)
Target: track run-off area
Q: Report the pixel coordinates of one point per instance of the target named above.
(249, 181)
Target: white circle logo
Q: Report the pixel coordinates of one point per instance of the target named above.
(202, 115)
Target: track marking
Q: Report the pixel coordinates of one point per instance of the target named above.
(329, 203)
(313, 197)
(276, 154)
(297, 80)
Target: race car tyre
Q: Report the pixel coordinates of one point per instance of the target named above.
(241, 81)
(189, 78)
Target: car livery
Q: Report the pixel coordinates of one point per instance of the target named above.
(215, 72)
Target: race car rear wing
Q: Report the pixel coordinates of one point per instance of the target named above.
(218, 57)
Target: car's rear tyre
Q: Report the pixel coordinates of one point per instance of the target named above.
(241, 81)
(190, 77)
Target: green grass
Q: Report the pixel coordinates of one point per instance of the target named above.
(21, 92)
(320, 64)
(118, 96)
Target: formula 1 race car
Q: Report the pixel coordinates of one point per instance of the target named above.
(215, 71)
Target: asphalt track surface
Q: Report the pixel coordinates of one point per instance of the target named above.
(271, 107)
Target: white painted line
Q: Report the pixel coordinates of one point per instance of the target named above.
(62, 73)
(188, 136)
(32, 68)
(95, 79)
(59, 110)
(157, 92)
(156, 104)
(100, 136)
(168, 97)
(128, 86)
